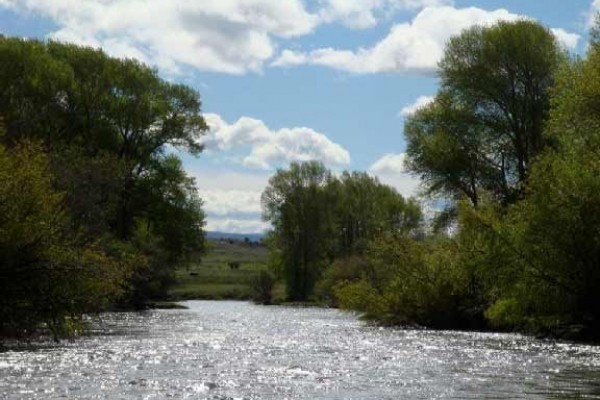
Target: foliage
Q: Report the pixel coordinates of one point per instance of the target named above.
(318, 218)
(262, 286)
(485, 126)
(409, 282)
(551, 238)
(343, 271)
(47, 275)
(298, 205)
(365, 208)
(512, 141)
(104, 125)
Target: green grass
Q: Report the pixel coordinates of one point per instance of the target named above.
(214, 279)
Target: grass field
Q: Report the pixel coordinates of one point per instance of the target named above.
(214, 279)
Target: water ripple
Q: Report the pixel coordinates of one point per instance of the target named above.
(235, 350)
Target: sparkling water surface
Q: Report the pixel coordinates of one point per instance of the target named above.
(237, 350)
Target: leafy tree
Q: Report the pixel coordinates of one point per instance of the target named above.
(408, 282)
(365, 208)
(48, 275)
(485, 127)
(451, 151)
(170, 231)
(549, 243)
(318, 218)
(32, 89)
(299, 206)
(107, 124)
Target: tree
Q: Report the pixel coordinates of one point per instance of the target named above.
(551, 260)
(366, 208)
(453, 152)
(318, 218)
(485, 126)
(48, 275)
(170, 229)
(106, 124)
(299, 206)
(68, 95)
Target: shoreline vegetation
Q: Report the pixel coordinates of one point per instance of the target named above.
(510, 148)
(96, 214)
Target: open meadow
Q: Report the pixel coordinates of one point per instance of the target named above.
(214, 277)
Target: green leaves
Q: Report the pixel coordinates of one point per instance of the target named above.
(318, 218)
(99, 197)
(48, 275)
(485, 126)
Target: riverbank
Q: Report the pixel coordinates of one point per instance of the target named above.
(215, 279)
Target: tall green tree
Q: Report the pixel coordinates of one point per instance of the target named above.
(299, 205)
(318, 218)
(485, 126)
(365, 208)
(107, 125)
(170, 231)
(550, 241)
(69, 95)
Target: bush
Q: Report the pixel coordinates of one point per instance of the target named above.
(262, 286)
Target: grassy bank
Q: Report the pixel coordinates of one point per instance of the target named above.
(213, 278)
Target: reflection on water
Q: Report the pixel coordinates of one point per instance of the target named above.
(235, 350)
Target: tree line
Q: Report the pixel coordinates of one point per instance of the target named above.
(318, 218)
(511, 146)
(95, 211)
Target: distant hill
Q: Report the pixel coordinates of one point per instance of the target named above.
(254, 237)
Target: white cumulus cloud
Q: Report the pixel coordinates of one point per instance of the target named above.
(410, 47)
(362, 14)
(232, 36)
(223, 202)
(270, 148)
(389, 164)
(240, 36)
(568, 40)
(421, 102)
(390, 169)
(231, 199)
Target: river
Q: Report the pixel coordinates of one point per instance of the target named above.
(236, 350)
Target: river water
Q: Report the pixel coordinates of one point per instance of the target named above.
(236, 350)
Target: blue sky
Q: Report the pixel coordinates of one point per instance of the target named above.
(289, 80)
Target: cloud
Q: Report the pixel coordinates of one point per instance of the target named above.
(390, 170)
(231, 199)
(421, 102)
(232, 225)
(209, 179)
(231, 36)
(362, 14)
(592, 12)
(413, 47)
(221, 202)
(270, 148)
(241, 36)
(389, 164)
(566, 39)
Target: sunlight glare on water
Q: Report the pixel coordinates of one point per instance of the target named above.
(236, 350)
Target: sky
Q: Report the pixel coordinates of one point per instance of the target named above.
(290, 80)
